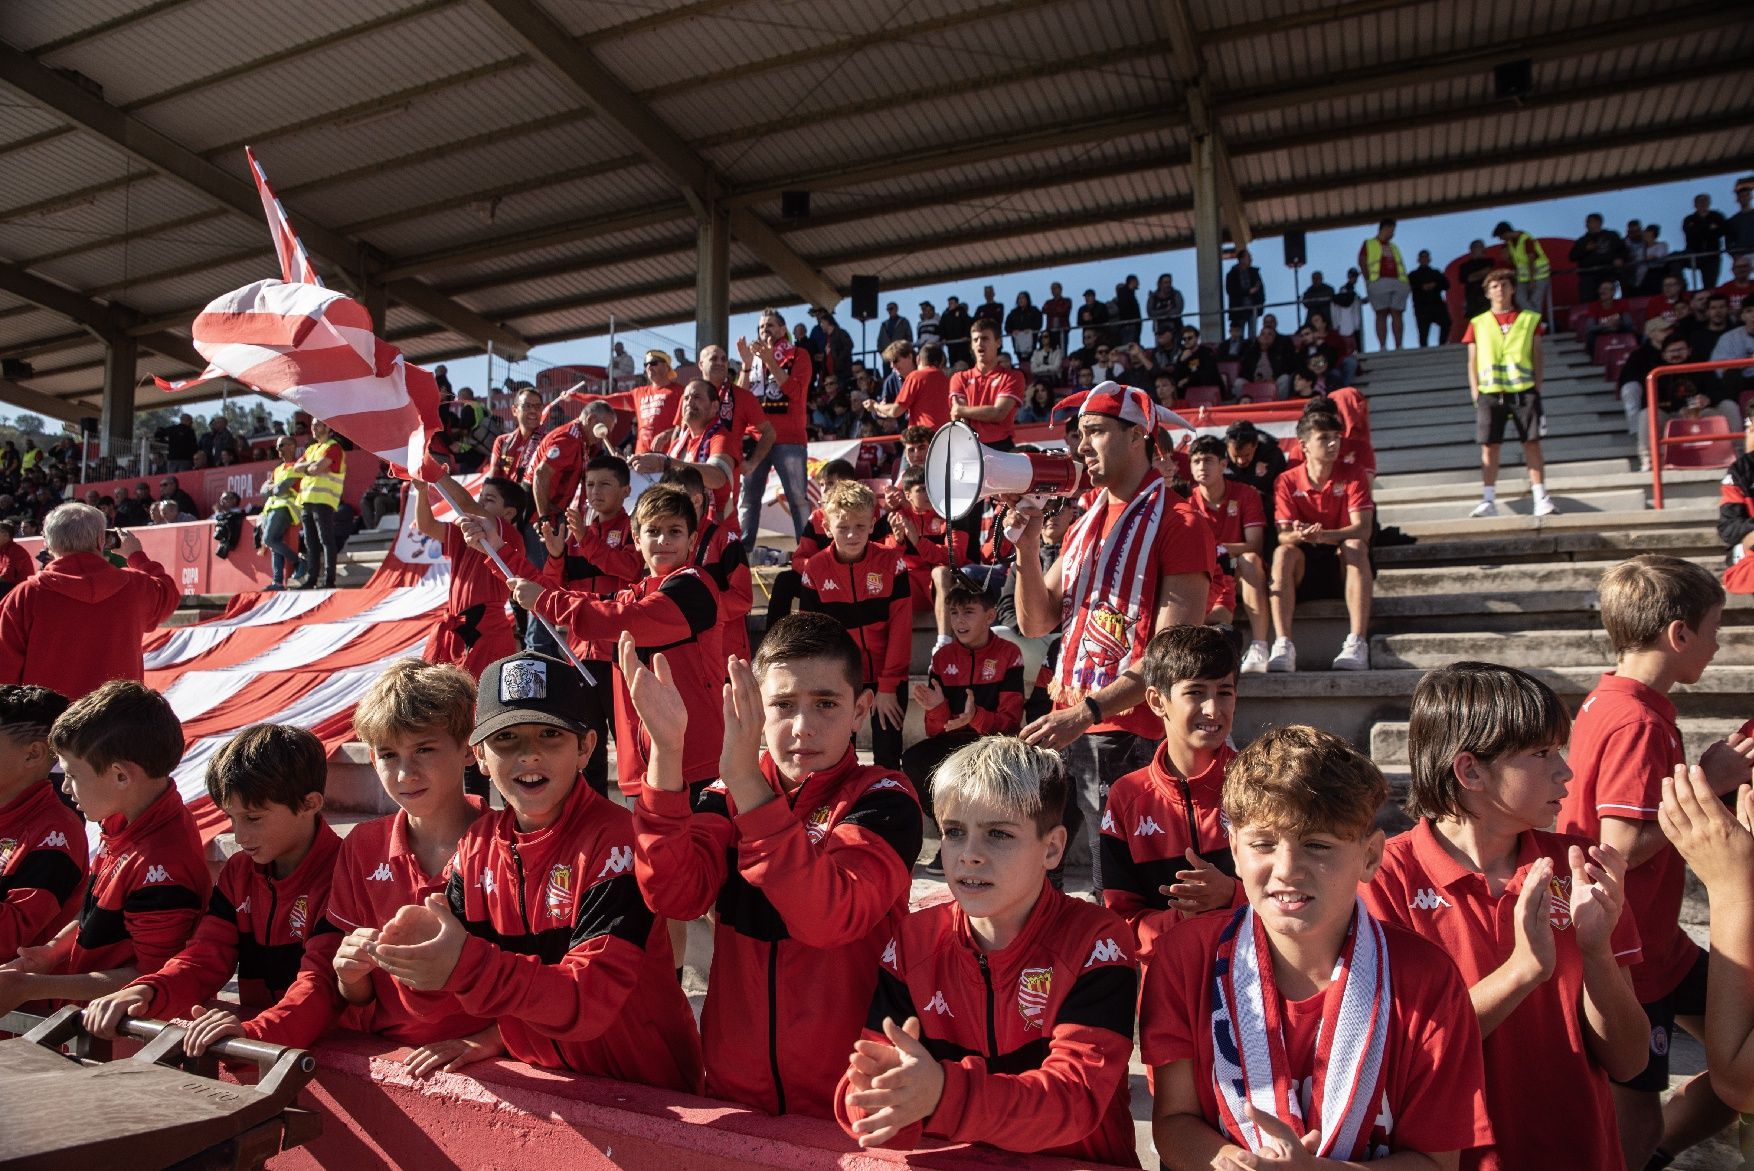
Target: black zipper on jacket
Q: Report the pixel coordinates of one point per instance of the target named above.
(267, 934)
(865, 646)
(1188, 809)
(523, 906)
(992, 1028)
(773, 1025)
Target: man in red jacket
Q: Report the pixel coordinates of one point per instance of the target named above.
(77, 625)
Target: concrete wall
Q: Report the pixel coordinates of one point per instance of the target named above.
(507, 1115)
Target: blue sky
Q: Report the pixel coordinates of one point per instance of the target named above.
(1331, 252)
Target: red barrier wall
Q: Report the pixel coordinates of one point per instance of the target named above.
(208, 484)
(506, 1115)
(186, 552)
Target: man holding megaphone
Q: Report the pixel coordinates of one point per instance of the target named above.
(1139, 560)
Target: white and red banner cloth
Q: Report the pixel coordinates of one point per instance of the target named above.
(301, 657)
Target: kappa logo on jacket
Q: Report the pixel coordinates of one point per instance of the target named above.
(1427, 899)
(939, 1005)
(1108, 821)
(1147, 827)
(157, 873)
(487, 882)
(55, 838)
(381, 874)
(887, 783)
(620, 861)
(244, 907)
(889, 954)
(951, 670)
(1106, 951)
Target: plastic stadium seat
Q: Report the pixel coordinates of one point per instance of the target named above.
(1258, 392)
(1604, 340)
(1201, 396)
(1229, 371)
(1613, 351)
(1715, 450)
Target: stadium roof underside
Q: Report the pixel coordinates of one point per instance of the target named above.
(514, 171)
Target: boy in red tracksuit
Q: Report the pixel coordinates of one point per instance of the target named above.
(1005, 1017)
(270, 896)
(918, 533)
(542, 926)
(674, 609)
(975, 688)
(416, 719)
(864, 586)
(804, 853)
(1165, 847)
(596, 555)
(43, 855)
(149, 880)
(719, 553)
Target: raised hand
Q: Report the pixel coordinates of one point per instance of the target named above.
(655, 697)
(928, 694)
(1597, 894)
(435, 943)
(1716, 845)
(1533, 921)
(1200, 888)
(955, 723)
(740, 758)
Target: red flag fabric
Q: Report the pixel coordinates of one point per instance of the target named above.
(295, 265)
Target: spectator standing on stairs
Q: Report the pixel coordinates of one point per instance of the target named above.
(1504, 380)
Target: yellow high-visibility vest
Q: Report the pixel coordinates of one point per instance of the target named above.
(1373, 260)
(282, 501)
(1505, 362)
(323, 487)
(1528, 258)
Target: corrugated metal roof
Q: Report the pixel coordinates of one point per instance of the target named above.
(938, 137)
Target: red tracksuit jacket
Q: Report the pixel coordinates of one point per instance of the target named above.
(719, 553)
(602, 561)
(563, 951)
(52, 611)
(994, 674)
(148, 884)
(808, 889)
(870, 598)
(375, 874)
(257, 926)
(1034, 1039)
(677, 614)
(1151, 819)
(42, 868)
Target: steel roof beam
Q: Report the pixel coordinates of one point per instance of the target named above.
(575, 64)
(85, 109)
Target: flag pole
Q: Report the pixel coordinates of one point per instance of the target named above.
(493, 555)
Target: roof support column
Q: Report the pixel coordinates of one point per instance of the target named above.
(712, 281)
(376, 299)
(121, 358)
(1208, 239)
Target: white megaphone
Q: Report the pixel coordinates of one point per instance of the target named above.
(961, 471)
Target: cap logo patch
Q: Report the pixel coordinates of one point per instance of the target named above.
(523, 679)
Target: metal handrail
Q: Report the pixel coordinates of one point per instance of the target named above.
(1658, 442)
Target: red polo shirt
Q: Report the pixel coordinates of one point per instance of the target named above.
(976, 389)
(1623, 743)
(1297, 498)
(926, 395)
(1421, 887)
(1230, 517)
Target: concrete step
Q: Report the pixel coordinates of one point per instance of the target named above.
(1562, 479)
(1593, 503)
(1493, 529)
(1452, 449)
(1555, 544)
(1388, 739)
(1507, 580)
(1559, 396)
(1528, 649)
(1348, 703)
(1447, 477)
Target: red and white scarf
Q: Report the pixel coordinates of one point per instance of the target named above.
(1108, 603)
(1249, 1058)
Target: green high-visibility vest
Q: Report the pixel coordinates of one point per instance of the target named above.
(1373, 260)
(1528, 258)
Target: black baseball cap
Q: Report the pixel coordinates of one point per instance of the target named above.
(530, 688)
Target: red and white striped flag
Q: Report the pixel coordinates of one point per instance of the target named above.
(295, 266)
(314, 347)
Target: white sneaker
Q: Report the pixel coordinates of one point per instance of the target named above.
(1254, 660)
(1644, 461)
(1284, 656)
(1485, 508)
(1545, 506)
(1354, 655)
